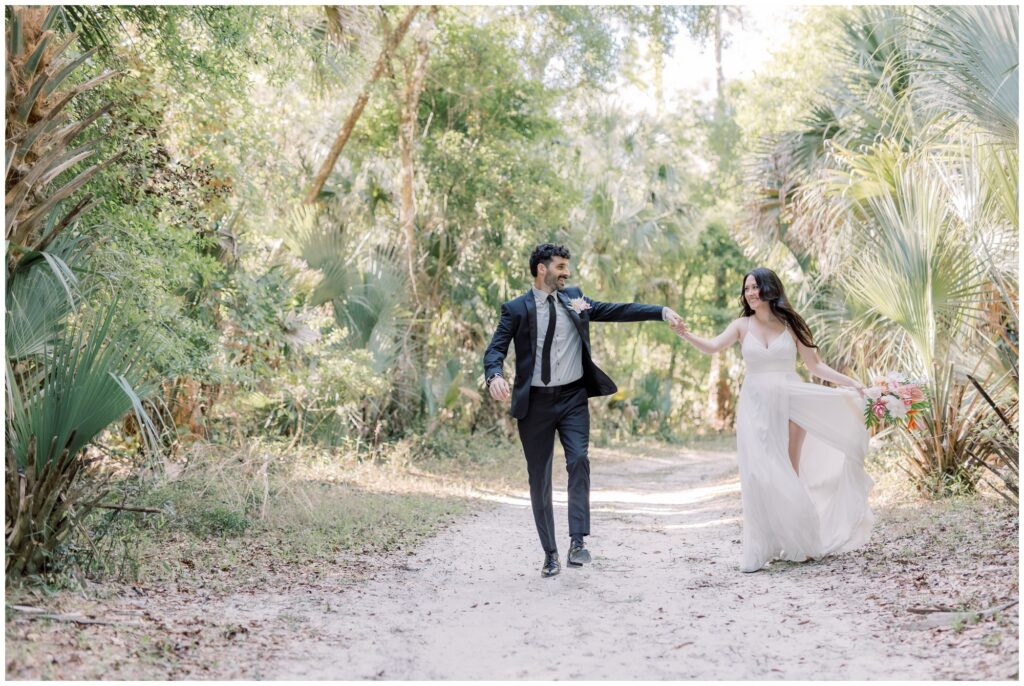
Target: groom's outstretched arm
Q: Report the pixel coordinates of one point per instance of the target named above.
(628, 312)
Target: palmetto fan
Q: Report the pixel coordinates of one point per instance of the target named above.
(41, 132)
(967, 51)
(364, 282)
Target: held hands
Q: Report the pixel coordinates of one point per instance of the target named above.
(499, 388)
(672, 317)
(680, 327)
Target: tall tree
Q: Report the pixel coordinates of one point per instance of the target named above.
(415, 73)
(391, 42)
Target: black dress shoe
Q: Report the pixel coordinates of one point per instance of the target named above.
(578, 555)
(551, 566)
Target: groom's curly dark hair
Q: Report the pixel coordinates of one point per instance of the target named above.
(544, 252)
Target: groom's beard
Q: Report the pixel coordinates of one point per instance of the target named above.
(552, 282)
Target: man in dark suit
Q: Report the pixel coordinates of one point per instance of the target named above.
(555, 376)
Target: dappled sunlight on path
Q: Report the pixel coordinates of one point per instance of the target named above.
(621, 501)
(649, 485)
(684, 497)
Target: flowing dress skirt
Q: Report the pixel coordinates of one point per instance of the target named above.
(823, 510)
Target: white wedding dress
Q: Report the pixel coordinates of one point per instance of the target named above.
(824, 509)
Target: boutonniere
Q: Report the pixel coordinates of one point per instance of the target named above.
(579, 305)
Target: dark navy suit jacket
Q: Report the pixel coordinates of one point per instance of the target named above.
(518, 323)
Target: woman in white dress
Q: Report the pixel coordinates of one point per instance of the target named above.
(800, 446)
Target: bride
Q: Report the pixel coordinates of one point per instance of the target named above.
(800, 446)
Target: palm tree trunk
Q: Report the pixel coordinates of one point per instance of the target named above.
(390, 44)
(412, 366)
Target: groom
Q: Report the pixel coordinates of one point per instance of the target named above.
(555, 375)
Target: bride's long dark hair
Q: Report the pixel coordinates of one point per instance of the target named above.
(772, 292)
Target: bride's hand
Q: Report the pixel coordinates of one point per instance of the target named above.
(860, 388)
(680, 328)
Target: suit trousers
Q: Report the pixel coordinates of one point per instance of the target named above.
(566, 410)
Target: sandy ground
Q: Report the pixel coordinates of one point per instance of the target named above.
(663, 599)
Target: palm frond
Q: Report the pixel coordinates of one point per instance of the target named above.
(374, 311)
(39, 137)
(912, 262)
(36, 308)
(320, 237)
(86, 382)
(968, 61)
(365, 283)
(40, 295)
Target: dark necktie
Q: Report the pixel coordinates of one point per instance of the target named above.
(545, 365)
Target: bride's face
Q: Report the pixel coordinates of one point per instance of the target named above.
(752, 293)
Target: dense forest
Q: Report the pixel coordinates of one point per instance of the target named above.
(288, 231)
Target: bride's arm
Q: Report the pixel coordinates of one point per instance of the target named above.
(714, 345)
(821, 370)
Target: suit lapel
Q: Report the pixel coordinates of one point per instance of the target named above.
(531, 316)
(577, 322)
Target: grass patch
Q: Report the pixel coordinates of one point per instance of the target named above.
(480, 462)
(231, 519)
(219, 521)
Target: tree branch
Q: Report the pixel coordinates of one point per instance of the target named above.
(390, 44)
(128, 508)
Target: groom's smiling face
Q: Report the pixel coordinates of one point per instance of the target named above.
(556, 273)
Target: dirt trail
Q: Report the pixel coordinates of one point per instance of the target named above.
(663, 599)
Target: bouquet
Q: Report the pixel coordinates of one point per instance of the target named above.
(894, 401)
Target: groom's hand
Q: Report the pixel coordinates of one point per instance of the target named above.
(670, 316)
(499, 388)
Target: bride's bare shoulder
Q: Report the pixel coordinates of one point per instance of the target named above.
(740, 324)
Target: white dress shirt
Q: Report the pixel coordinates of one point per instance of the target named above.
(566, 348)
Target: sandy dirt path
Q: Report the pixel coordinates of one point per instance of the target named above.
(663, 599)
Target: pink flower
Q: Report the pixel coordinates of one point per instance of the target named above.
(579, 305)
(879, 409)
(911, 394)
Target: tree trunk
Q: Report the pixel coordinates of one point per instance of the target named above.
(719, 76)
(390, 43)
(657, 47)
(413, 365)
(713, 376)
(669, 383)
(719, 390)
(725, 400)
(406, 143)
